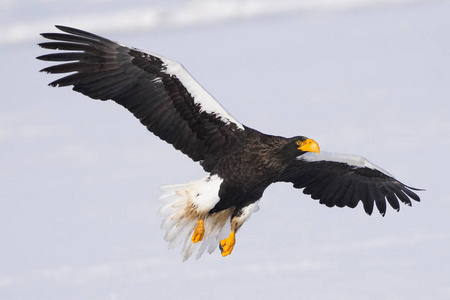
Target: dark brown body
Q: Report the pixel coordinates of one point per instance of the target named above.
(255, 161)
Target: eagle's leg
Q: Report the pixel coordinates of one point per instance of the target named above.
(199, 232)
(239, 216)
(226, 245)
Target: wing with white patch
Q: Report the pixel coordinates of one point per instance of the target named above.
(158, 91)
(344, 180)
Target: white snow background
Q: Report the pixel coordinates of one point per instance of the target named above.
(79, 178)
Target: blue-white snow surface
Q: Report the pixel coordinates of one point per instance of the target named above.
(79, 178)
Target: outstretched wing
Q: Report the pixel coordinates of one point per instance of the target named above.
(158, 91)
(344, 180)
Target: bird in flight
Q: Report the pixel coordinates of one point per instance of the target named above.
(241, 162)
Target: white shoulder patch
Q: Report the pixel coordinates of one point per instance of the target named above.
(349, 159)
(201, 96)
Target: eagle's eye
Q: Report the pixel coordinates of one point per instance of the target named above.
(298, 142)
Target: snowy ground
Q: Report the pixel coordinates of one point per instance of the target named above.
(79, 178)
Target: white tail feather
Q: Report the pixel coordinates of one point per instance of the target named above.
(183, 205)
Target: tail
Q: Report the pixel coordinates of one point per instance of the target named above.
(183, 205)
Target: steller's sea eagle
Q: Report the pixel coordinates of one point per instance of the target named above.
(241, 162)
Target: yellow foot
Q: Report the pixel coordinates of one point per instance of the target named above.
(226, 245)
(199, 232)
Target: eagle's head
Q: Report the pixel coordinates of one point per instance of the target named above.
(299, 145)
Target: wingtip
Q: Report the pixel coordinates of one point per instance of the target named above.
(41, 57)
(414, 189)
(63, 27)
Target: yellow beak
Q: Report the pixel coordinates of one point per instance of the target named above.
(309, 145)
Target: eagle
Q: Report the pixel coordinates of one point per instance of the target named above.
(241, 162)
